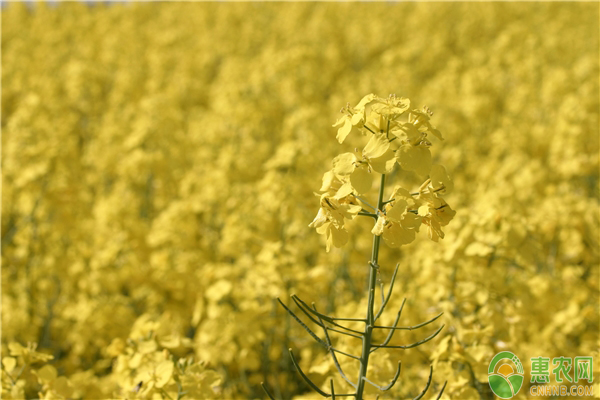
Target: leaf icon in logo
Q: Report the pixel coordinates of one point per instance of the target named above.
(500, 386)
(503, 379)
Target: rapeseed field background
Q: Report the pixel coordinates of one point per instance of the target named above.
(159, 165)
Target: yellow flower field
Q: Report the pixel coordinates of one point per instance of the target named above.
(159, 169)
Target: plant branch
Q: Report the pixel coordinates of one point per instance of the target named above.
(392, 383)
(302, 304)
(323, 316)
(333, 356)
(344, 353)
(441, 391)
(306, 378)
(426, 386)
(367, 214)
(369, 129)
(427, 339)
(305, 312)
(370, 318)
(311, 333)
(364, 201)
(332, 389)
(410, 328)
(387, 299)
(344, 333)
(267, 391)
(391, 333)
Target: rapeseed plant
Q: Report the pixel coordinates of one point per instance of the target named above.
(397, 134)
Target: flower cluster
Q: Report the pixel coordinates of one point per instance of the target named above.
(398, 134)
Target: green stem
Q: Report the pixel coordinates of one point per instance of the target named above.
(370, 319)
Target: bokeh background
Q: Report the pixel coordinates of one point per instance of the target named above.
(158, 167)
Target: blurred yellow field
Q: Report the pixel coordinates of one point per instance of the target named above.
(159, 169)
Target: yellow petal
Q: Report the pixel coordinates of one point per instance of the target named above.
(147, 347)
(400, 192)
(385, 163)
(401, 105)
(46, 374)
(358, 119)
(411, 221)
(424, 210)
(323, 229)
(116, 347)
(36, 356)
(395, 213)
(145, 376)
(171, 342)
(376, 147)
(218, 290)
(334, 236)
(135, 361)
(164, 371)
(343, 191)
(349, 211)
(395, 236)
(319, 220)
(435, 231)
(344, 164)
(63, 387)
(436, 133)
(321, 368)
(339, 236)
(478, 249)
(440, 178)
(340, 121)
(415, 158)
(378, 228)
(365, 101)
(344, 131)
(9, 363)
(407, 132)
(392, 107)
(444, 215)
(328, 179)
(16, 349)
(361, 180)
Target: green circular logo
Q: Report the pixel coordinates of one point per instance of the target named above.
(505, 375)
